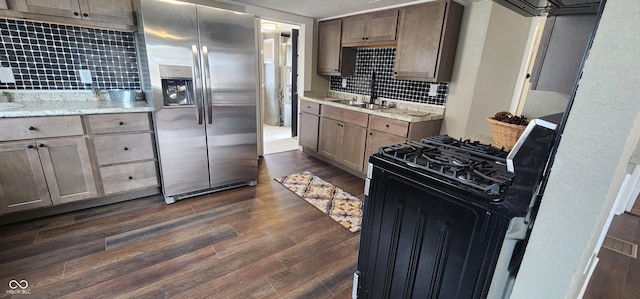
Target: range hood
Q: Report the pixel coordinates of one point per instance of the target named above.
(532, 8)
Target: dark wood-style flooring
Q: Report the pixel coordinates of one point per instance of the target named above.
(617, 276)
(250, 242)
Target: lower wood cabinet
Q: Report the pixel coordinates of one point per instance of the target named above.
(22, 182)
(37, 173)
(343, 142)
(349, 137)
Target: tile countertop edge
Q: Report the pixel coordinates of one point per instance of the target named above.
(380, 112)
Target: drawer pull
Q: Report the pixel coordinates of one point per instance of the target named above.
(121, 123)
(32, 128)
(387, 125)
(126, 148)
(130, 177)
(40, 145)
(85, 14)
(75, 13)
(30, 146)
(308, 107)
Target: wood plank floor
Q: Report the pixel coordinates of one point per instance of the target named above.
(617, 276)
(250, 242)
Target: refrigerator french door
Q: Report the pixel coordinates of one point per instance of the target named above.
(202, 70)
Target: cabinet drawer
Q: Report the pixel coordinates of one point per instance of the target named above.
(389, 125)
(40, 127)
(112, 149)
(309, 107)
(344, 115)
(119, 122)
(128, 177)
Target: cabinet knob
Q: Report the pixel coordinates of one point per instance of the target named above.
(75, 13)
(363, 38)
(130, 177)
(85, 14)
(121, 123)
(30, 146)
(308, 107)
(370, 134)
(40, 145)
(126, 148)
(387, 125)
(32, 128)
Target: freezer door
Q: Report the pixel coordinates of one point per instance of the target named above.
(171, 37)
(228, 49)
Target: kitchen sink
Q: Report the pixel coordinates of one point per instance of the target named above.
(360, 104)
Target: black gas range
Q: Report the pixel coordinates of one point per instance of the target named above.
(449, 218)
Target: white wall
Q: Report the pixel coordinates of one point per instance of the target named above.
(602, 130)
(488, 61)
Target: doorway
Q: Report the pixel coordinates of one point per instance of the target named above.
(278, 96)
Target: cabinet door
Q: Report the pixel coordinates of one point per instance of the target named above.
(3, 4)
(376, 139)
(330, 137)
(353, 145)
(419, 40)
(382, 26)
(309, 125)
(353, 32)
(22, 182)
(67, 168)
(110, 11)
(61, 8)
(329, 47)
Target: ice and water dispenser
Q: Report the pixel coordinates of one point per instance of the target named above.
(177, 85)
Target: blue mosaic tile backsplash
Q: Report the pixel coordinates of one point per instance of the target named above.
(381, 61)
(46, 56)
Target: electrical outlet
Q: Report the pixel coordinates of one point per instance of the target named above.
(85, 76)
(344, 82)
(433, 90)
(6, 75)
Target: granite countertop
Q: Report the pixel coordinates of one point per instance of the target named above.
(28, 105)
(403, 111)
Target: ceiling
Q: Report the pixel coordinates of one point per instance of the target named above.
(318, 9)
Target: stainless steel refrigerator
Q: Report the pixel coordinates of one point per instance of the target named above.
(202, 74)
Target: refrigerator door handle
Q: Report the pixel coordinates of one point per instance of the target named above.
(207, 84)
(197, 76)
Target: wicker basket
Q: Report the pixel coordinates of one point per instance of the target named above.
(505, 135)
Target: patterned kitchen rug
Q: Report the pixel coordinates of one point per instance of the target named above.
(341, 206)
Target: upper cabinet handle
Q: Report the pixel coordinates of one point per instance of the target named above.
(75, 13)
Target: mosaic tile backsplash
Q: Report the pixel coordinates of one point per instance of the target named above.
(46, 56)
(381, 61)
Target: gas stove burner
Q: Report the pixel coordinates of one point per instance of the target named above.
(481, 172)
(474, 147)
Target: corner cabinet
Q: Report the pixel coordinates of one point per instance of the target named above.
(45, 162)
(376, 28)
(427, 41)
(117, 14)
(333, 59)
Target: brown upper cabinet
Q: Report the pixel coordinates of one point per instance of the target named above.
(116, 14)
(427, 41)
(376, 28)
(332, 58)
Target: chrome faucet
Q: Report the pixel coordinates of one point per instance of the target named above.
(372, 89)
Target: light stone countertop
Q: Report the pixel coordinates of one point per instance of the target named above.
(28, 105)
(403, 111)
